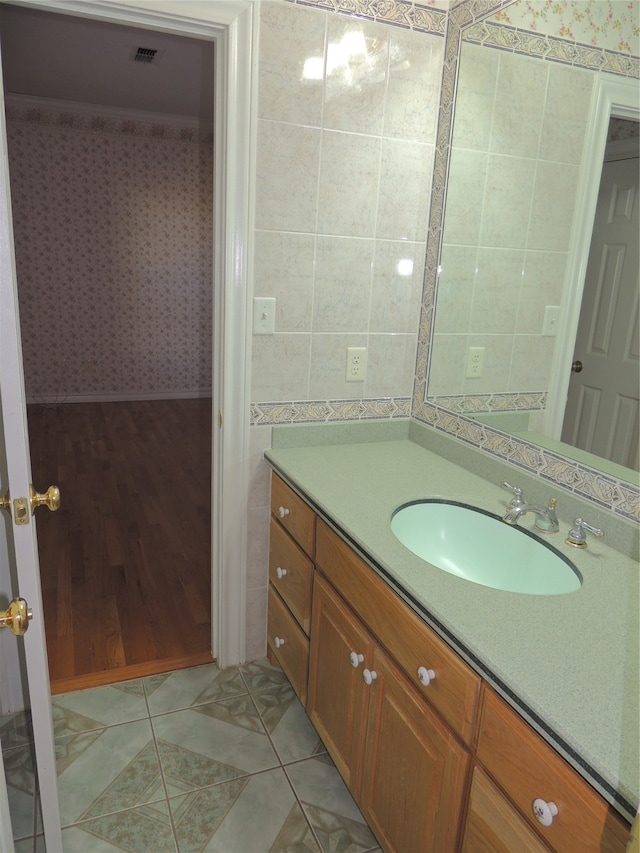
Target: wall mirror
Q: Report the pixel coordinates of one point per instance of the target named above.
(527, 149)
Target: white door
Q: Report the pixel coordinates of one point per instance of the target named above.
(602, 413)
(23, 548)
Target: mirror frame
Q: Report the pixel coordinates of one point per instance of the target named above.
(619, 496)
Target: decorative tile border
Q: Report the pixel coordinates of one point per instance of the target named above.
(551, 48)
(585, 482)
(608, 492)
(325, 411)
(528, 401)
(400, 13)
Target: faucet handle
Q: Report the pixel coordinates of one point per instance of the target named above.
(548, 522)
(517, 500)
(577, 536)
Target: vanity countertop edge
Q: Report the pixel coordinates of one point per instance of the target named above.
(568, 663)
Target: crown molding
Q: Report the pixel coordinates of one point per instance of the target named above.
(100, 111)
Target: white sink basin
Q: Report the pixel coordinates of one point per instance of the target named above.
(479, 547)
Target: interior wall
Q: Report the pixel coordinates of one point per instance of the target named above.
(113, 238)
(347, 115)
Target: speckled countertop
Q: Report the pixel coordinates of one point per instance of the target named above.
(568, 663)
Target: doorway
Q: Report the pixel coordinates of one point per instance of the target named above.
(230, 25)
(130, 547)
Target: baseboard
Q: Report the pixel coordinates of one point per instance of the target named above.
(116, 397)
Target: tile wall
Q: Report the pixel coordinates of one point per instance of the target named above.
(515, 165)
(346, 130)
(347, 118)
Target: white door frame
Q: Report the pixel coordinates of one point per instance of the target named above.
(618, 96)
(230, 23)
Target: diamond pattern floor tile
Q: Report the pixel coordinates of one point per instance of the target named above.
(195, 761)
(117, 769)
(258, 813)
(186, 687)
(98, 707)
(222, 745)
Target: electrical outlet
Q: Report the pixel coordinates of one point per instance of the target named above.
(356, 368)
(475, 360)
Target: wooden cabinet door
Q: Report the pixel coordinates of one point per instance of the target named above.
(414, 769)
(493, 825)
(336, 696)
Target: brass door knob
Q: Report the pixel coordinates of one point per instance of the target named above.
(50, 499)
(576, 367)
(16, 617)
(5, 502)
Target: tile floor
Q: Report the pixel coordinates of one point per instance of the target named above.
(195, 760)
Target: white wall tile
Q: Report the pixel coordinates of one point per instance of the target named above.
(287, 91)
(405, 188)
(413, 92)
(391, 361)
(531, 362)
(284, 265)
(476, 97)
(357, 63)
(257, 547)
(465, 196)
(553, 206)
(507, 201)
(342, 292)
(496, 364)
(455, 288)
(348, 184)
(446, 369)
(496, 290)
(566, 114)
(280, 367)
(542, 285)
(288, 163)
(398, 269)
(328, 366)
(520, 97)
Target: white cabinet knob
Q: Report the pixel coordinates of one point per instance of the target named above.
(282, 511)
(280, 573)
(369, 675)
(356, 659)
(279, 641)
(425, 676)
(544, 812)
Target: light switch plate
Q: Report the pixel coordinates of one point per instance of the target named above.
(264, 315)
(550, 322)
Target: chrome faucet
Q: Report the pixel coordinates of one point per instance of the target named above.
(546, 518)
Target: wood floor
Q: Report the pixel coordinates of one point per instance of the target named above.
(125, 562)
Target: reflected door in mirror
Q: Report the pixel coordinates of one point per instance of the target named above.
(602, 413)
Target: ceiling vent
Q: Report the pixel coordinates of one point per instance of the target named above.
(146, 55)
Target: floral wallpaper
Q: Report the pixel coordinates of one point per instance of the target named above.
(113, 222)
(612, 24)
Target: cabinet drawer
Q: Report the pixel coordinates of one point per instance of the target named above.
(454, 690)
(293, 514)
(493, 825)
(289, 645)
(527, 768)
(291, 573)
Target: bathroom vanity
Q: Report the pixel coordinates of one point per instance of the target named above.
(460, 717)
